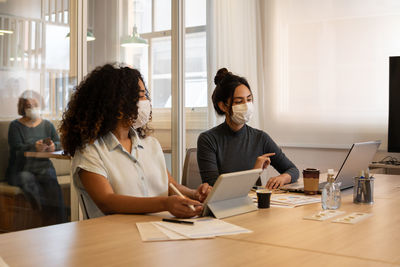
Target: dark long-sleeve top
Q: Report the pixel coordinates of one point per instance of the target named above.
(22, 138)
(221, 150)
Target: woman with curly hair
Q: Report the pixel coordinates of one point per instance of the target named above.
(117, 166)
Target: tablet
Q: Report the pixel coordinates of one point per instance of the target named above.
(229, 196)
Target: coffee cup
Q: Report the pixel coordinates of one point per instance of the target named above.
(263, 198)
(311, 181)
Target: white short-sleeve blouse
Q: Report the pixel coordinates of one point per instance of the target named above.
(141, 173)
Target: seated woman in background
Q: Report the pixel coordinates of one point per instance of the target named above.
(36, 176)
(233, 145)
(117, 166)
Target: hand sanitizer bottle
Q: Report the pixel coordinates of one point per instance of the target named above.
(331, 198)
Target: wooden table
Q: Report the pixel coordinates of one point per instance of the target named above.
(281, 237)
(55, 155)
(376, 239)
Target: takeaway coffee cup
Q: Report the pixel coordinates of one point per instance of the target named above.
(311, 181)
(264, 198)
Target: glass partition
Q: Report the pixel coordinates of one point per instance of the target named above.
(195, 79)
(39, 52)
(35, 84)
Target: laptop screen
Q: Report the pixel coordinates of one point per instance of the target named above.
(358, 158)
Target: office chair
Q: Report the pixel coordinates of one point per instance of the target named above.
(82, 204)
(191, 173)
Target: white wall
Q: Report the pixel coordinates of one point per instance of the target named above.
(321, 158)
(103, 21)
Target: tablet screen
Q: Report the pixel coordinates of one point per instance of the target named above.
(233, 185)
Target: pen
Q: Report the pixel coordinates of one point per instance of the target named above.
(177, 221)
(368, 192)
(180, 194)
(359, 189)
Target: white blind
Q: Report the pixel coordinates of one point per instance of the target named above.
(327, 70)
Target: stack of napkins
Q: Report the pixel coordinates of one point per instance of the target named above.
(291, 200)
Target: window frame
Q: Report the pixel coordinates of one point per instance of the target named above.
(196, 117)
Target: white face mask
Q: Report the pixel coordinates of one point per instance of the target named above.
(32, 113)
(144, 109)
(242, 113)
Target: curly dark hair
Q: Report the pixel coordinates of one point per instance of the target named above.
(107, 94)
(226, 83)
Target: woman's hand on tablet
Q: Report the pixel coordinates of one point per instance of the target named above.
(202, 192)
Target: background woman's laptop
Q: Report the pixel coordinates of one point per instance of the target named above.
(359, 157)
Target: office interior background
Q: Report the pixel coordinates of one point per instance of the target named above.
(319, 70)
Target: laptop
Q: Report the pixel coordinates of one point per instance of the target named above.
(358, 158)
(229, 195)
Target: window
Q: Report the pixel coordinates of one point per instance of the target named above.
(113, 21)
(157, 31)
(35, 55)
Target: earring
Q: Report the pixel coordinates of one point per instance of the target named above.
(120, 115)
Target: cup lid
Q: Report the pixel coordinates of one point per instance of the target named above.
(311, 170)
(263, 191)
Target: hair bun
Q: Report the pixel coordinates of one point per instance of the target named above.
(221, 74)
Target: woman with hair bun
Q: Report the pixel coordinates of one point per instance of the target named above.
(233, 145)
(117, 167)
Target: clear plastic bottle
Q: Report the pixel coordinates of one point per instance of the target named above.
(330, 198)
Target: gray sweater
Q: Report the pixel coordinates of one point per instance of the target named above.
(221, 150)
(21, 139)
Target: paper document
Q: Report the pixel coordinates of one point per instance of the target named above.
(3, 263)
(151, 232)
(293, 200)
(289, 200)
(202, 228)
(171, 234)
